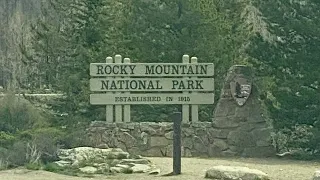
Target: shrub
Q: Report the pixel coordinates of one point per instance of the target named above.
(44, 141)
(33, 166)
(17, 114)
(53, 167)
(3, 158)
(3, 164)
(76, 137)
(25, 133)
(6, 139)
(17, 154)
(301, 142)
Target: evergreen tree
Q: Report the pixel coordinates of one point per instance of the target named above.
(290, 61)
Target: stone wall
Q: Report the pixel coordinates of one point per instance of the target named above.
(198, 139)
(238, 128)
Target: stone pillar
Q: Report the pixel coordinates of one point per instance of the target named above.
(239, 112)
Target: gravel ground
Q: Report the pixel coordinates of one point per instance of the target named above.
(192, 169)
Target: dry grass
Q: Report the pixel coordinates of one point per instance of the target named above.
(192, 169)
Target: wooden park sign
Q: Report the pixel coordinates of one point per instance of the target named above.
(119, 84)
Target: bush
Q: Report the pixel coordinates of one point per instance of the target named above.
(52, 167)
(3, 164)
(301, 142)
(17, 114)
(76, 137)
(33, 166)
(32, 146)
(3, 158)
(17, 154)
(6, 139)
(25, 133)
(45, 141)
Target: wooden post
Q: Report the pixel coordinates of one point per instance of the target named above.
(126, 108)
(118, 108)
(185, 108)
(194, 108)
(109, 108)
(176, 143)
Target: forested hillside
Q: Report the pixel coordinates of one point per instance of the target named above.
(50, 44)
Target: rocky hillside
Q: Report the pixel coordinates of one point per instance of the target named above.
(16, 17)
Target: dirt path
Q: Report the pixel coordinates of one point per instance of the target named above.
(192, 168)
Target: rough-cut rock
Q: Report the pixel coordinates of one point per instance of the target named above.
(169, 135)
(241, 139)
(103, 146)
(116, 169)
(88, 170)
(199, 145)
(154, 171)
(220, 144)
(63, 163)
(81, 154)
(316, 175)
(159, 141)
(187, 152)
(94, 160)
(168, 151)
(103, 168)
(218, 133)
(137, 161)
(235, 173)
(127, 137)
(262, 136)
(140, 168)
(224, 123)
(146, 127)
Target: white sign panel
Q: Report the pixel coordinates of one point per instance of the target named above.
(151, 69)
(159, 98)
(151, 84)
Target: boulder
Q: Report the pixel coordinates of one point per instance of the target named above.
(154, 171)
(140, 168)
(116, 169)
(103, 146)
(235, 173)
(316, 175)
(94, 160)
(137, 161)
(63, 163)
(88, 170)
(103, 168)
